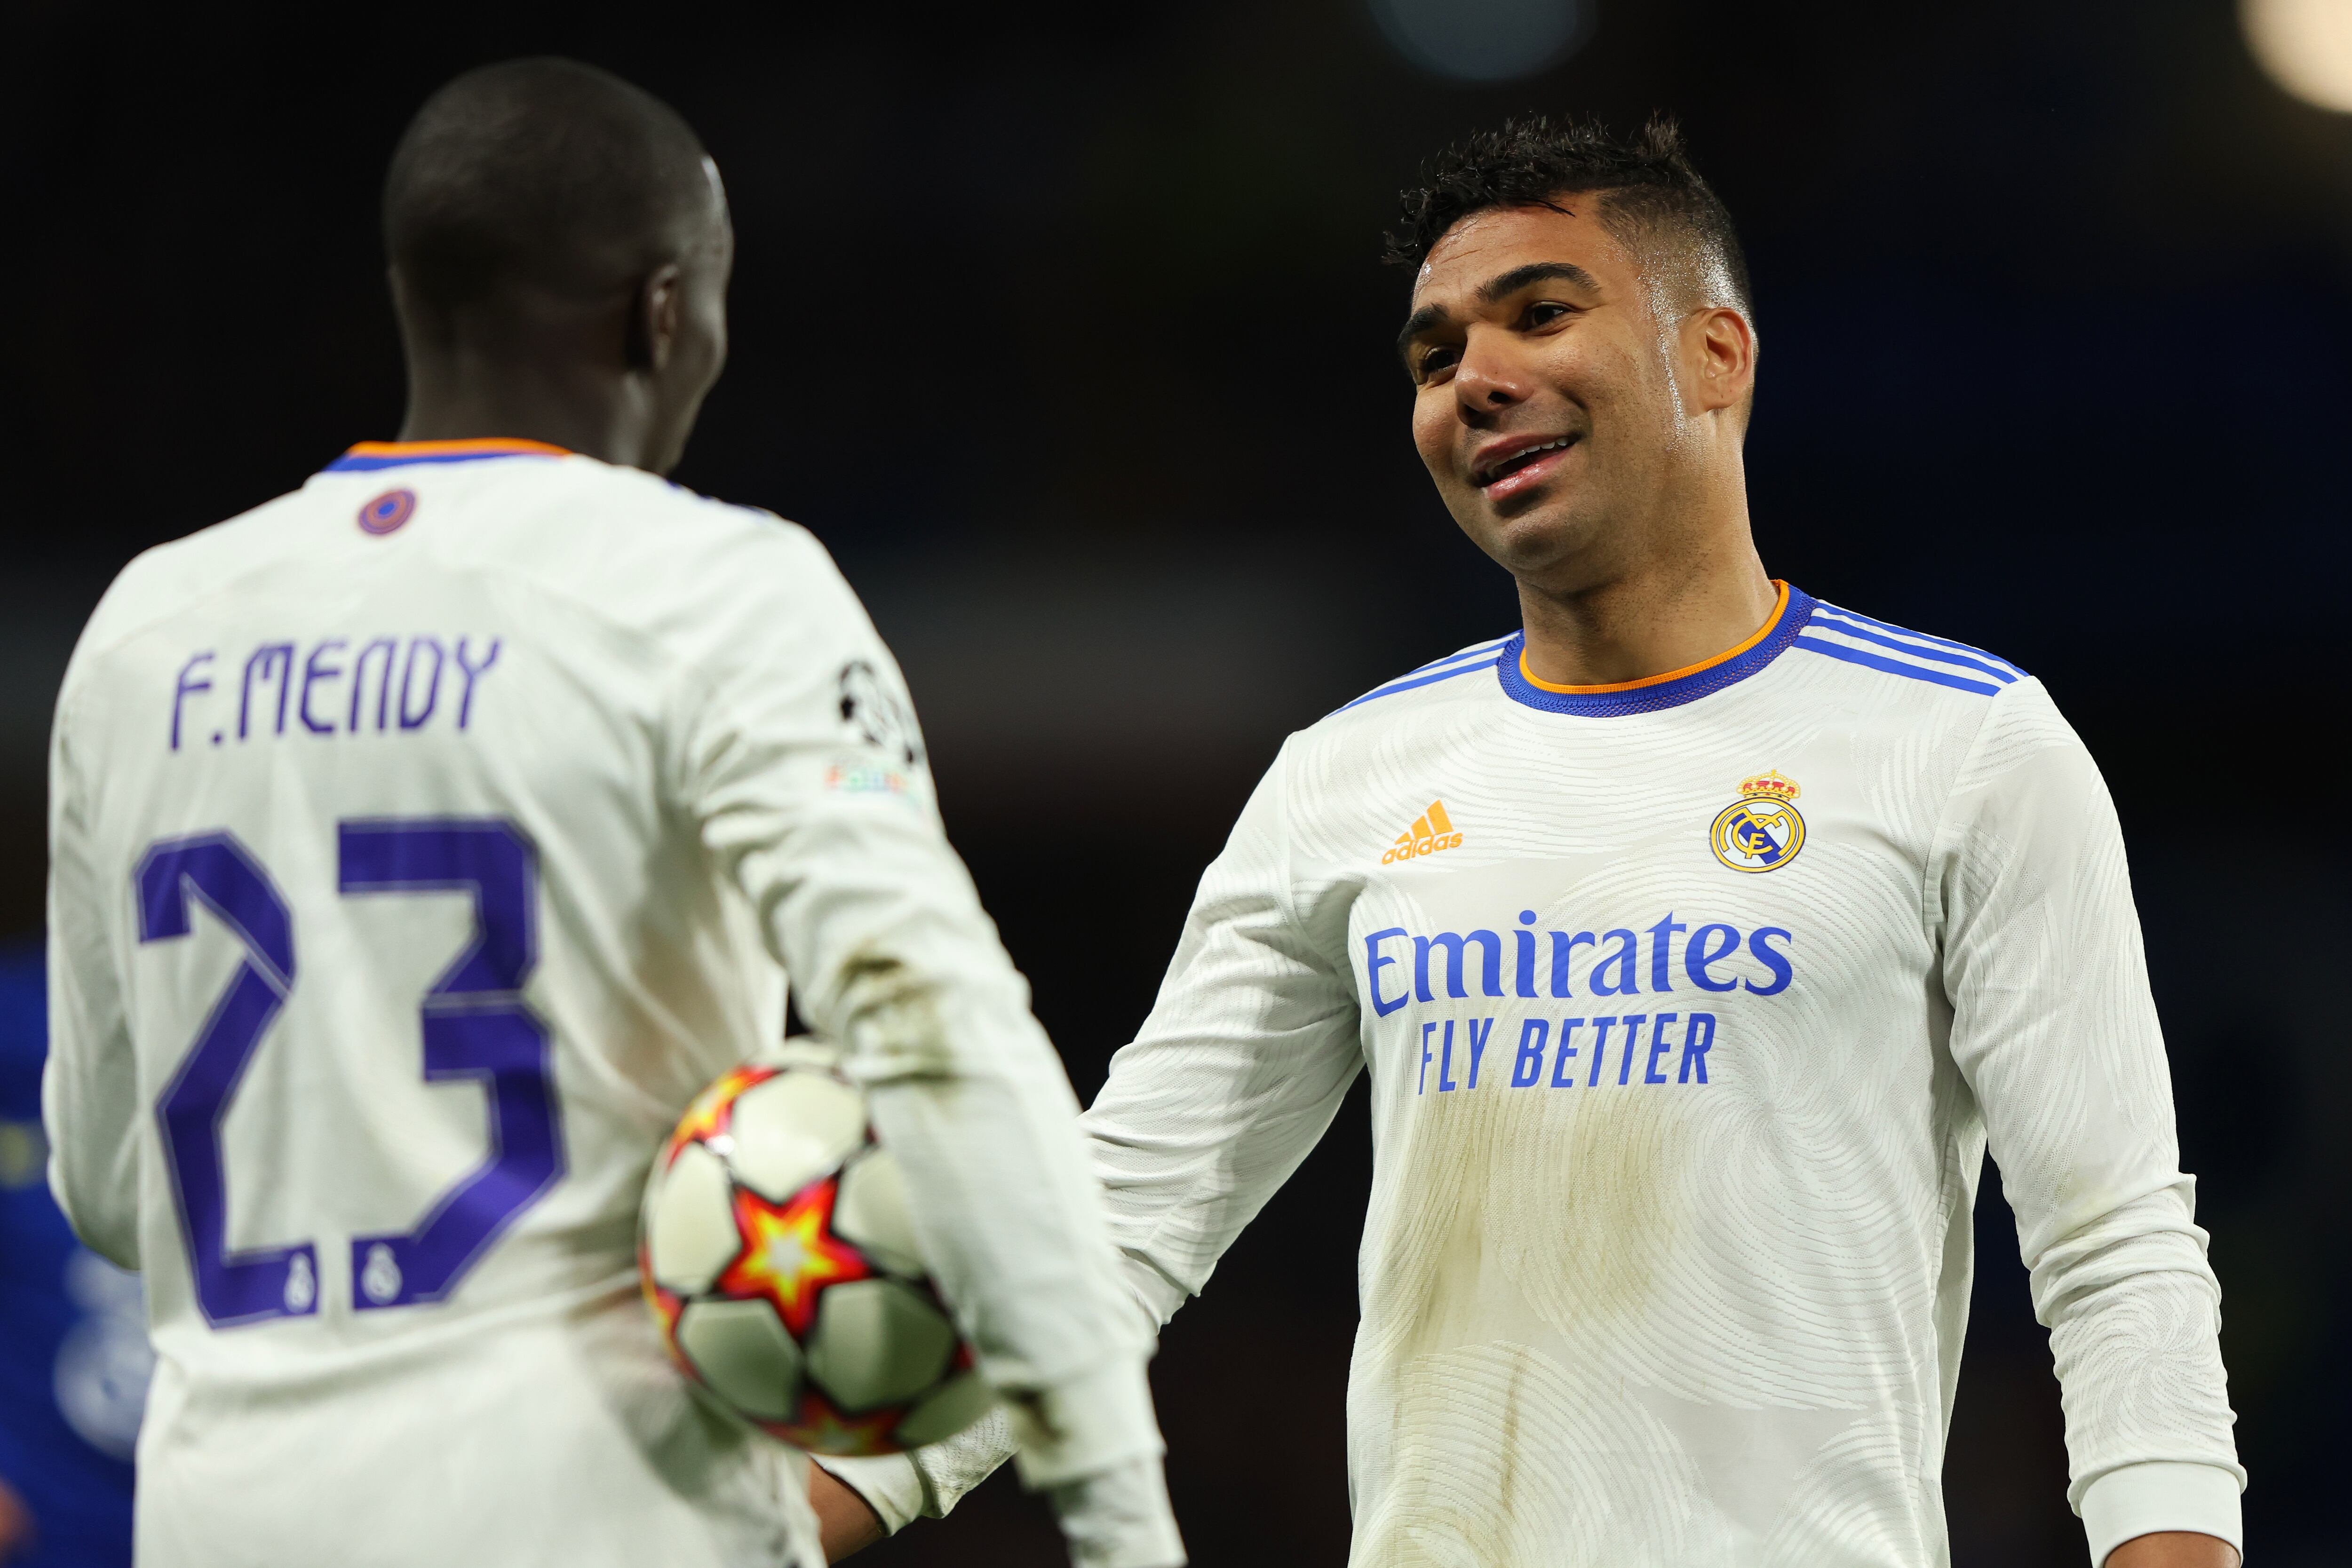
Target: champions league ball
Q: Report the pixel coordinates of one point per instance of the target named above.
(776, 1251)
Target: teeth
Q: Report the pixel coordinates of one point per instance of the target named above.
(1518, 458)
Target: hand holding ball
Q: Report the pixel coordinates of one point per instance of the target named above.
(777, 1253)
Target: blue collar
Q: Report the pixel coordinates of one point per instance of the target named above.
(1670, 690)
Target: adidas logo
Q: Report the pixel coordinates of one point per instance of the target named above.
(1431, 832)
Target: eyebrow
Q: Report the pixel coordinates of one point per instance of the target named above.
(1502, 286)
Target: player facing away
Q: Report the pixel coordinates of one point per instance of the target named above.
(1699, 937)
(422, 842)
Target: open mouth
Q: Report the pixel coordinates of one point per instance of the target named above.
(1525, 457)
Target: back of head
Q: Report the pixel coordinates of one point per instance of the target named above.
(1651, 200)
(542, 176)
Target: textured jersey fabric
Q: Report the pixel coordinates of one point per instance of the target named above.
(1690, 1008)
(422, 842)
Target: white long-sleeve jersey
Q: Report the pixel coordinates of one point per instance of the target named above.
(1689, 1009)
(422, 842)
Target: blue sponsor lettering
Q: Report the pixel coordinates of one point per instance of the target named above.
(1600, 1028)
(1373, 964)
(1563, 1067)
(1529, 1067)
(1773, 959)
(1563, 949)
(1694, 1046)
(1538, 1039)
(1705, 951)
(1622, 961)
(1659, 1045)
(1479, 1038)
(1490, 968)
(1662, 950)
(1633, 1042)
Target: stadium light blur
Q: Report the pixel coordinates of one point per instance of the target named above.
(1484, 40)
(2305, 46)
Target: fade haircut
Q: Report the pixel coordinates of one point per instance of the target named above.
(541, 173)
(1649, 198)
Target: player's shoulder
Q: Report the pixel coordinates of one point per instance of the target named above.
(164, 579)
(1974, 707)
(645, 550)
(699, 584)
(1896, 661)
(1440, 683)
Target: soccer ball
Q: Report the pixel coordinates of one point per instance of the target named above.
(775, 1250)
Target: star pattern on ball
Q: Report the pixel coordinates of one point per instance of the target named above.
(713, 1109)
(790, 1253)
(820, 1428)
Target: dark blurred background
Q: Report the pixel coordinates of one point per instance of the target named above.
(1063, 325)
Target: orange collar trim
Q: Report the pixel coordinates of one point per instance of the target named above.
(1780, 609)
(472, 446)
(370, 455)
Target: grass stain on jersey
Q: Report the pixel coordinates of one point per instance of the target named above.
(1540, 1233)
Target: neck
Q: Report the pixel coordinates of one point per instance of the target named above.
(456, 397)
(1702, 592)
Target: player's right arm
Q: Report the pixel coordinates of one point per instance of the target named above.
(1232, 1081)
(799, 762)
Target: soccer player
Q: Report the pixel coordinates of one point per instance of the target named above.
(1698, 936)
(424, 839)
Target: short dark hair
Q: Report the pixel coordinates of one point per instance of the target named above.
(1651, 198)
(542, 171)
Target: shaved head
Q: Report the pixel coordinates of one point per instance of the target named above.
(544, 176)
(560, 250)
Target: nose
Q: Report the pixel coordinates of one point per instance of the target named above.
(1488, 380)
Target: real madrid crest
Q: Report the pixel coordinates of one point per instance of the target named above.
(1760, 831)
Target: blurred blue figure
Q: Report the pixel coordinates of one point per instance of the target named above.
(74, 1358)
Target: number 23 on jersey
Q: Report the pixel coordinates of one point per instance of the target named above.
(475, 1025)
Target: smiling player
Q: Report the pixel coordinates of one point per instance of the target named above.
(1697, 938)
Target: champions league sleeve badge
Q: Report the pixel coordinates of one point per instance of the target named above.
(876, 715)
(1760, 831)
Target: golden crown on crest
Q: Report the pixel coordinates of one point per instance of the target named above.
(1770, 782)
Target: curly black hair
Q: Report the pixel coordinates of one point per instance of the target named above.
(1651, 198)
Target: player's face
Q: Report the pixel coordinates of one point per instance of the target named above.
(1545, 391)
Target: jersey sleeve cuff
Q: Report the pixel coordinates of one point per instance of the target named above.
(890, 1484)
(1084, 1426)
(2140, 1500)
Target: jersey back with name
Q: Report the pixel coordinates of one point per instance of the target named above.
(375, 852)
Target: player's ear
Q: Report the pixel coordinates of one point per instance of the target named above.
(654, 317)
(1720, 347)
(418, 323)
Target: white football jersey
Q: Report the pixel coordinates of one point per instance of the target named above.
(422, 842)
(1689, 1008)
